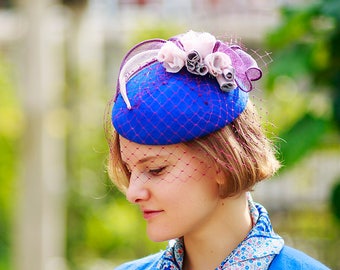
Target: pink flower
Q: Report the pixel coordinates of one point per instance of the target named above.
(173, 58)
(217, 62)
(203, 43)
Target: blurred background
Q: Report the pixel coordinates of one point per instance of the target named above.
(58, 65)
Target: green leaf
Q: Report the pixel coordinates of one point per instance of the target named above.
(303, 136)
(331, 8)
(335, 200)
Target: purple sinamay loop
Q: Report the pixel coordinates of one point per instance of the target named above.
(246, 68)
(135, 60)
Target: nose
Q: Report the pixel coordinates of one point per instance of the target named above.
(137, 190)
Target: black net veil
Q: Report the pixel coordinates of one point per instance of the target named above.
(236, 156)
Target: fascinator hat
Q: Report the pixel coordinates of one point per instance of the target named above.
(181, 89)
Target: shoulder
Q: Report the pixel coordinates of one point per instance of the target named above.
(149, 262)
(290, 258)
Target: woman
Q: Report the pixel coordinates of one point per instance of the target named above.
(186, 146)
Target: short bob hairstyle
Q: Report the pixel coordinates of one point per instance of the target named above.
(240, 150)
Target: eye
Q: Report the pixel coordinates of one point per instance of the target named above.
(157, 171)
(127, 168)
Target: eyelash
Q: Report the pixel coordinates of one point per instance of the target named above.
(157, 171)
(127, 168)
(154, 172)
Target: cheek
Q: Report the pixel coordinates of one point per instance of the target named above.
(202, 171)
(191, 169)
(206, 181)
(195, 184)
(189, 180)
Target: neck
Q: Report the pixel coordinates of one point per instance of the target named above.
(228, 226)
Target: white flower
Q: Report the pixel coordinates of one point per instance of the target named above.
(203, 43)
(217, 62)
(173, 58)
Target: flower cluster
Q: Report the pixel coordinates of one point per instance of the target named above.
(201, 53)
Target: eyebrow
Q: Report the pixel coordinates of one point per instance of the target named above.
(146, 159)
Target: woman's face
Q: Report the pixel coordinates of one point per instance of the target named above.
(175, 187)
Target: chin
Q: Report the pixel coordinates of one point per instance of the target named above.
(160, 235)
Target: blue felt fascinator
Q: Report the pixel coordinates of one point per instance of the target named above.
(181, 89)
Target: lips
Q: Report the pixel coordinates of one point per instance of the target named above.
(148, 214)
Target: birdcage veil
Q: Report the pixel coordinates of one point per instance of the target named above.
(194, 90)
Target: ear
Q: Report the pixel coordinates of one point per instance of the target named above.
(221, 176)
(223, 191)
(222, 182)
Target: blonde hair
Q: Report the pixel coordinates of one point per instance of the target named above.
(240, 150)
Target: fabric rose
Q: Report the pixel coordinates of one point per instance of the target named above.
(217, 62)
(225, 85)
(219, 65)
(172, 57)
(195, 64)
(203, 43)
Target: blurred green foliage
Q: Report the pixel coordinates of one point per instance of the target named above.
(335, 201)
(302, 136)
(312, 230)
(11, 121)
(148, 30)
(306, 51)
